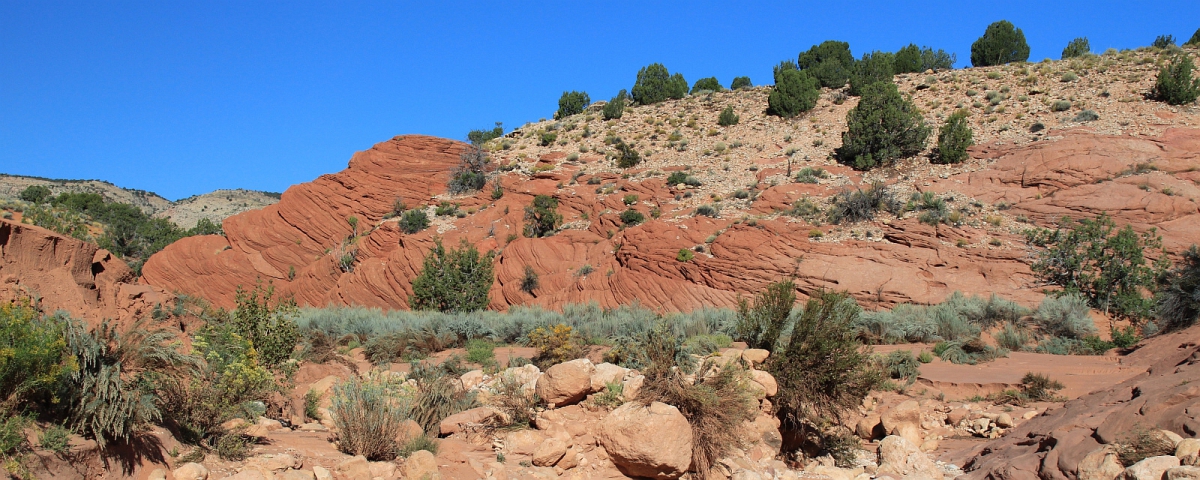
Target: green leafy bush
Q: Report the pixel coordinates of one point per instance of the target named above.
(556, 344)
(542, 217)
(1195, 40)
(655, 84)
(572, 103)
(676, 178)
(684, 255)
(811, 175)
(795, 92)
(56, 439)
(830, 63)
(480, 351)
(883, 127)
(453, 281)
(937, 59)
(1175, 84)
(438, 395)
(1065, 316)
(414, 221)
(740, 83)
(872, 68)
(418, 443)
(33, 355)
(908, 59)
(902, 365)
(269, 327)
(1106, 265)
(35, 194)
(760, 323)
(1001, 43)
(312, 404)
(727, 117)
(626, 155)
(369, 415)
(1163, 41)
(631, 217)
(615, 108)
(710, 84)
(707, 211)
(529, 282)
(1077, 48)
(953, 139)
(861, 205)
(548, 138)
(1178, 298)
(1040, 388)
(480, 137)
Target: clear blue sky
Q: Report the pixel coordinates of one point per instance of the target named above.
(182, 97)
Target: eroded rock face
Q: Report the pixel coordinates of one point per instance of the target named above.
(652, 441)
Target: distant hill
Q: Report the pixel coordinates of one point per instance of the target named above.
(215, 206)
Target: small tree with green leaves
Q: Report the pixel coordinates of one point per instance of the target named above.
(908, 59)
(711, 84)
(542, 217)
(1001, 43)
(1178, 298)
(727, 117)
(883, 127)
(795, 92)
(874, 67)
(36, 194)
(759, 324)
(413, 221)
(937, 59)
(269, 326)
(830, 63)
(655, 84)
(1194, 41)
(626, 155)
(1077, 48)
(1163, 41)
(471, 173)
(1175, 84)
(1105, 264)
(572, 103)
(740, 83)
(953, 139)
(457, 280)
(480, 137)
(615, 108)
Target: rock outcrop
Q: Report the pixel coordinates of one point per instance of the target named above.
(653, 441)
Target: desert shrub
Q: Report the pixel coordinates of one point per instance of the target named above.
(1040, 388)
(509, 397)
(829, 63)
(1106, 265)
(707, 211)
(626, 155)
(925, 357)
(453, 281)
(611, 397)
(1175, 84)
(369, 415)
(414, 221)
(1077, 48)
(908, 59)
(529, 282)
(480, 351)
(418, 443)
(872, 68)
(760, 323)
(1178, 298)
(811, 175)
(629, 199)
(1195, 40)
(677, 178)
(269, 327)
(1013, 337)
(480, 137)
(823, 372)
(33, 355)
(1001, 43)
(794, 93)
(556, 344)
(1086, 116)
(542, 217)
(56, 439)
(1163, 41)
(548, 138)
(1060, 106)
(883, 127)
(438, 395)
(937, 59)
(710, 84)
(684, 255)
(953, 139)
(911, 59)
(655, 84)
(35, 194)
(901, 365)
(1124, 337)
(615, 108)
(631, 217)
(471, 173)
(312, 403)
(572, 103)
(860, 205)
(1065, 316)
(727, 117)
(1142, 443)
(740, 82)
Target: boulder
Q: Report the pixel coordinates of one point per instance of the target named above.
(1172, 436)
(566, 383)
(421, 465)
(523, 442)
(907, 413)
(549, 452)
(410, 430)
(471, 379)
(569, 460)
(459, 421)
(1151, 468)
(263, 427)
(769, 386)
(321, 473)
(956, 416)
(190, 471)
(755, 356)
(1004, 420)
(157, 474)
(647, 441)
(869, 428)
(1101, 464)
(606, 373)
(631, 386)
(1188, 451)
(383, 470)
(899, 457)
(354, 468)
(1183, 473)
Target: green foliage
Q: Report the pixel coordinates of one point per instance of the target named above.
(744, 82)
(446, 209)
(453, 281)
(631, 217)
(958, 318)
(529, 282)
(1065, 316)
(1175, 84)
(627, 156)
(795, 92)
(684, 255)
(823, 372)
(413, 221)
(56, 439)
(902, 365)
(1040, 388)
(655, 84)
(64, 222)
(630, 199)
(312, 404)
(908, 59)
(1077, 48)
(676, 178)
(953, 139)
(911, 59)
(811, 175)
(937, 59)
(727, 117)
(1013, 337)
(542, 217)
(1106, 265)
(1124, 337)
(33, 355)
(418, 443)
(438, 396)
(370, 416)
(883, 127)
(861, 205)
(510, 397)
(480, 351)
(710, 84)
(1163, 41)
(1001, 43)
(925, 356)
(1195, 40)
(874, 67)
(12, 437)
(556, 344)
(480, 137)
(830, 63)
(572, 103)
(760, 323)
(270, 328)
(615, 108)
(548, 138)
(1178, 298)
(35, 194)
(707, 211)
